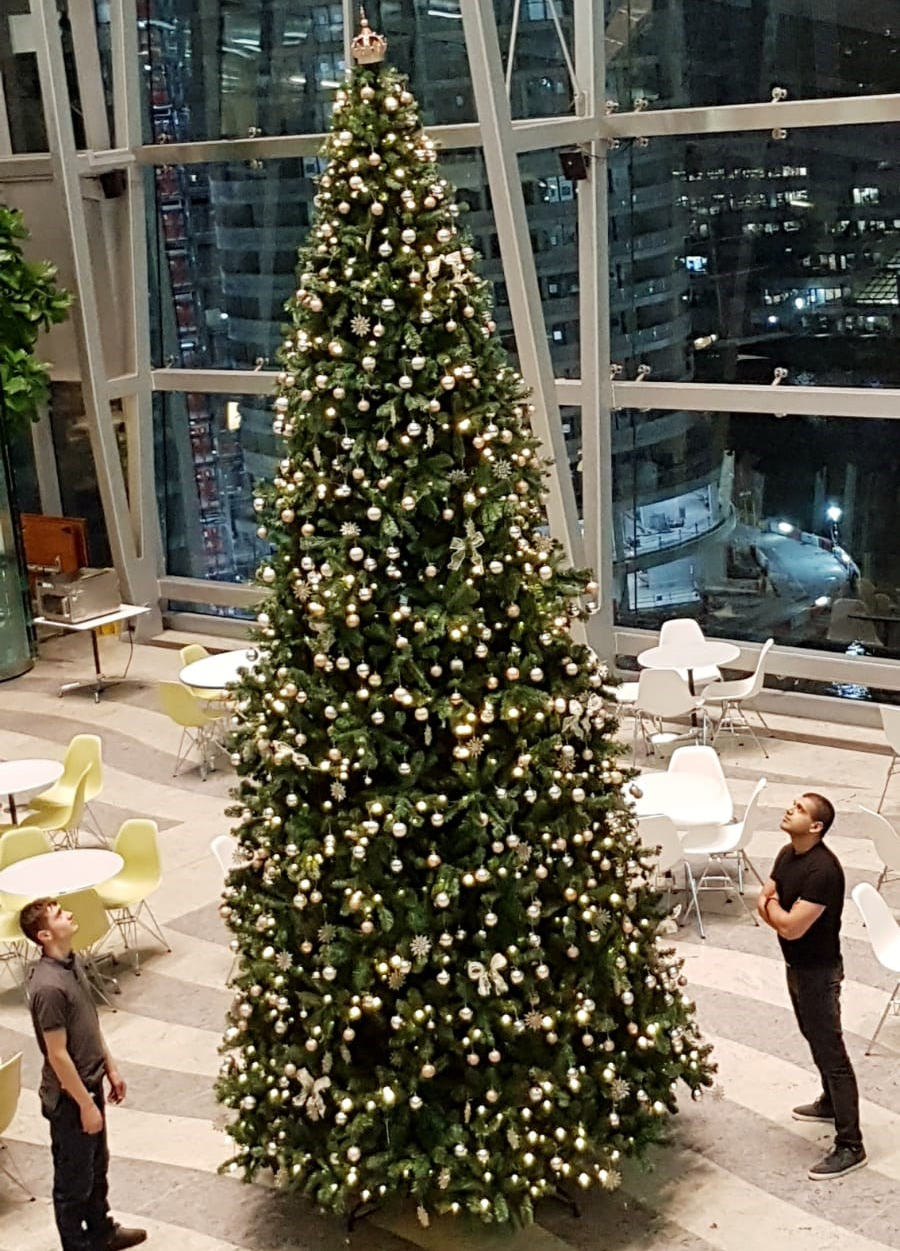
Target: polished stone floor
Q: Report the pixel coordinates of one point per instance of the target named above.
(735, 1176)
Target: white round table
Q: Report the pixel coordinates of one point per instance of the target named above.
(60, 872)
(689, 656)
(27, 777)
(214, 673)
(689, 799)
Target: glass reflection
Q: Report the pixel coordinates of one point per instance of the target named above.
(675, 53)
(758, 526)
(209, 451)
(736, 255)
(218, 71)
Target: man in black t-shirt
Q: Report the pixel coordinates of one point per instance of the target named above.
(802, 901)
(76, 1060)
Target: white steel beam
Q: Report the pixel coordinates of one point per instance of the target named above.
(531, 135)
(770, 115)
(137, 569)
(865, 402)
(86, 48)
(137, 400)
(594, 392)
(520, 275)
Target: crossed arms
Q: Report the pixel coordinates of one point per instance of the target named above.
(789, 925)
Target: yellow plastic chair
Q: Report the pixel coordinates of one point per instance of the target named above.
(22, 842)
(85, 751)
(13, 944)
(63, 820)
(125, 895)
(10, 1089)
(182, 706)
(93, 929)
(190, 653)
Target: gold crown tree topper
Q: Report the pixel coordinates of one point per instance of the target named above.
(368, 47)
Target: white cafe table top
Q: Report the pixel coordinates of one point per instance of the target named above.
(690, 799)
(28, 777)
(689, 655)
(213, 673)
(60, 872)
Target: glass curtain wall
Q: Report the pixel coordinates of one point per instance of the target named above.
(741, 253)
(765, 257)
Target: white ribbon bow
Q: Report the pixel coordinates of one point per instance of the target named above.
(489, 975)
(459, 546)
(310, 1096)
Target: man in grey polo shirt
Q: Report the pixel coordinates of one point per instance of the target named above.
(75, 1061)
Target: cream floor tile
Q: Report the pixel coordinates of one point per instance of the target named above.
(770, 1086)
(732, 1214)
(30, 1227)
(763, 979)
(180, 1141)
(140, 1039)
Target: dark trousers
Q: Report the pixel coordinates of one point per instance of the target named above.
(816, 996)
(80, 1188)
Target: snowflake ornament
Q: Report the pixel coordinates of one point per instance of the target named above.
(327, 934)
(350, 530)
(284, 960)
(420, 946)
(360, 325)
(534, 1019)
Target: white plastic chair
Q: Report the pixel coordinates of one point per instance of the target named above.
(225, 849)
(884, 935)
(719, 846)
(685, 630)
(890, 723)
(887, 844)
(731, 697)
(719, 809)
(664, 695)
(663, 848)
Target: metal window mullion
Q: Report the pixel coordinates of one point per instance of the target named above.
(594, 392)
(727, 119)
(138, 401)
(861, 402)
(85, 46)
(45, 464)
(110, 480)
(520, 275)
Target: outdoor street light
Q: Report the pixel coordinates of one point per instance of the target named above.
(834, 514)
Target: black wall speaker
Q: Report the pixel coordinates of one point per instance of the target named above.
(574, 165)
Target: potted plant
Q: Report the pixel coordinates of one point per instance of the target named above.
(30, 303)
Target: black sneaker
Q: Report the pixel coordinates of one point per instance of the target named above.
(838, 1163)
(121, 1238)
(818, 1111)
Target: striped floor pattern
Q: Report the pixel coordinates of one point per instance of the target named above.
(735, 1176)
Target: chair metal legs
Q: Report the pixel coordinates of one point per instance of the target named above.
(128, 920)
(887, 780)
(892, 1006)
(12, 1172)
(733, 719)
(715, 876)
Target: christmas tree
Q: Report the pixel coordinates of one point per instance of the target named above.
(451, 985)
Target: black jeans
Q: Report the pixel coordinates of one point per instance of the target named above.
(816, 996)
(80, 1189)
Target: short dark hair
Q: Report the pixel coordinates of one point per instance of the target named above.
(33, 918)
(822, 810)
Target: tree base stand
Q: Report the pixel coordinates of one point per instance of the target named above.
(568, 1201)
(359, 1213)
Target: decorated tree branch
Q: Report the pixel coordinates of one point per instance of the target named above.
(451, 984)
